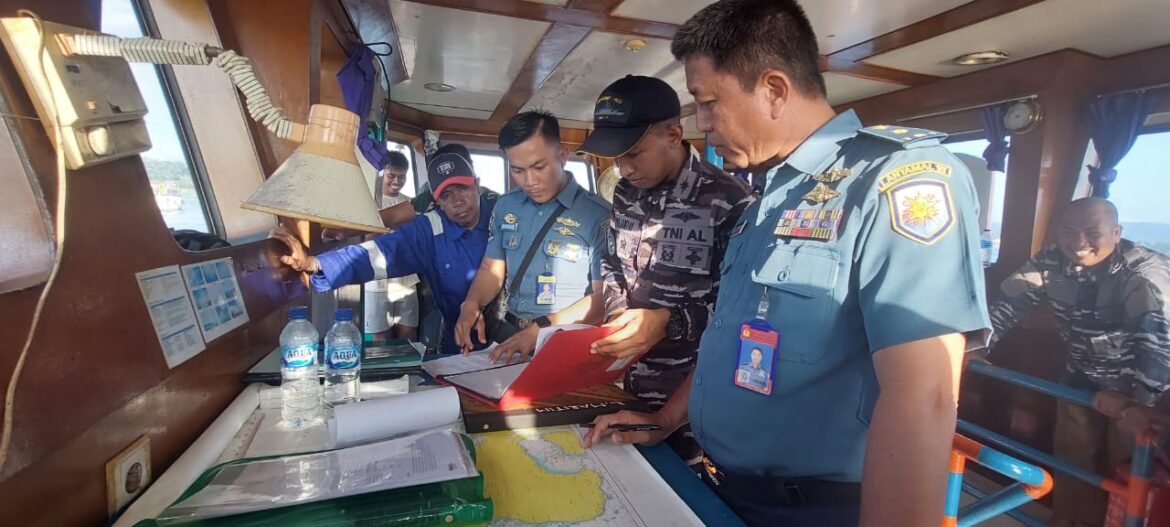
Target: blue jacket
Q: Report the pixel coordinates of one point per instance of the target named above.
(432, 246)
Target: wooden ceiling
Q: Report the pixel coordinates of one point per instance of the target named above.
(568, 23)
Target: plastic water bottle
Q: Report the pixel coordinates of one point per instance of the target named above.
(300, 390)
(986, 247)
(343, 359)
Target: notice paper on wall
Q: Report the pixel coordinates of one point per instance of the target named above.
(170, 310)
(216, 295)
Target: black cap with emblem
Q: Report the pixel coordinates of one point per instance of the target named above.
(449, 168)
(624, 112)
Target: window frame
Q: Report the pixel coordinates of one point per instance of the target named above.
(981, 135)
(183, 127)
(1084, 187)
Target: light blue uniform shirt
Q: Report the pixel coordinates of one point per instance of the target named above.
(570, 251)
(903, 265)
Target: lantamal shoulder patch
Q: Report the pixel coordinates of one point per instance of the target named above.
(921, 210)
(916, 168)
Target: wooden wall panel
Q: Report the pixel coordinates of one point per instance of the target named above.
(95, 377)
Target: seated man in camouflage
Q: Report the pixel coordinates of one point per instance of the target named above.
(1110, 300)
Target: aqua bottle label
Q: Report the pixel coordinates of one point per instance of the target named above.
(298, 357)
(343, 358)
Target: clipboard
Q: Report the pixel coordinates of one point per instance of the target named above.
(562, 364)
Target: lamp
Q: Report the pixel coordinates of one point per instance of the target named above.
(319, 182)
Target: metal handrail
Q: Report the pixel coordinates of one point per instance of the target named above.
(1136, 493)
(1032, 482)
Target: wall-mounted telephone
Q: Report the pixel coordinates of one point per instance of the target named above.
(95, 98)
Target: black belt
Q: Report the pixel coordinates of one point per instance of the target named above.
(520, 323)
(787, 492)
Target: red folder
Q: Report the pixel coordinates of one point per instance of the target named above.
(562, 365)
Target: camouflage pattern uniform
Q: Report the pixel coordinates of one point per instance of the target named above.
(1114, 318)
(664, 251)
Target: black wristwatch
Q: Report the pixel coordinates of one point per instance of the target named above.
(542, 322)
(676, 326)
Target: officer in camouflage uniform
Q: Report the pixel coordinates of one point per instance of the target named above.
(671, 220)
(1110, 300)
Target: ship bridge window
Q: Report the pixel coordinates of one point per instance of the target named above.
(489, 167)
(1140, 191)
(177, 181)
(582, 172)
(990, 186)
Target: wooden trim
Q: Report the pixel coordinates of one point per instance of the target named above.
(560, 15)
(960, 17)
(876, 73)
(1002, 83)
(600, 6)
(375, 23)
(1141, 69)
(556, 44)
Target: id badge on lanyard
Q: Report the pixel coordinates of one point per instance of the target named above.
(758, 342)
(546, 289)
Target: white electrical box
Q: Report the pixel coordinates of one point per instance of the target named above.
(95, 98)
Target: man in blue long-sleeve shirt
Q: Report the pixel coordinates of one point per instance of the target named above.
(444, 246)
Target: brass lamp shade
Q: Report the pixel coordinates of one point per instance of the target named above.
(321, 181)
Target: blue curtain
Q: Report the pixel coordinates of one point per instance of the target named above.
(996, 153)
(1117, 121)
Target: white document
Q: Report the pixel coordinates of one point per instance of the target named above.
(456, 364)
(375, 419)
(216, 295)
(489, 383)
(170, 311)
(547, 333)
(259, 485)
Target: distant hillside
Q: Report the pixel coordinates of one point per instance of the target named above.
(1153, 235)
(165, 170)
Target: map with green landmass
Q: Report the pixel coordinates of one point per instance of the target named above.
(544, 477)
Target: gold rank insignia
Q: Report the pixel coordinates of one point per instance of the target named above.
(564, 231)
(510, 218)
(553, 249)
(570, 222)
(820, 194)
(833, 175)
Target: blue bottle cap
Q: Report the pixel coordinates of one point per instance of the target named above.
(344, 314)
(298, 313)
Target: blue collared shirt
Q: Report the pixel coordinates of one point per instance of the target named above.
(570, 252)
(902, 265)
(431, 245)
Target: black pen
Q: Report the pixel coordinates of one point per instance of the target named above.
(627, 427)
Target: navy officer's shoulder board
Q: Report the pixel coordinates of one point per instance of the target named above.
(904, 136)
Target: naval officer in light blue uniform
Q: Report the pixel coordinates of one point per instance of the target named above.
(859, 264)
(546, 239)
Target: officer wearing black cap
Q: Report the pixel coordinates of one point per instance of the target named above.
(671, 219)
(444, 246)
